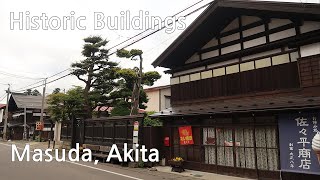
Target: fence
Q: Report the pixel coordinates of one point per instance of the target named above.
(112, 130)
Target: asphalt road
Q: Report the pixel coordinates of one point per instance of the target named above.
(72, 171)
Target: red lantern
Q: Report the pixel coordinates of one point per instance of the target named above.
(167, 141)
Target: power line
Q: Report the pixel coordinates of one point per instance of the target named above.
(163, 27)
(4, 84)
(59, 78)
(194, 11)
(24, 88)
(17, 76)
(30, 85)
(58, 73)
(3, 96)
(43, 84)
(155, 26)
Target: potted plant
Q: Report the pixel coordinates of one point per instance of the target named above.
(176, 164)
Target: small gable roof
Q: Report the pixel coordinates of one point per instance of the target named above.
(219, 14)
(30, 102)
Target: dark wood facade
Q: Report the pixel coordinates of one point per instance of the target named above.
(261, 59)
(309, 70)
(284, 76)
(195, 154)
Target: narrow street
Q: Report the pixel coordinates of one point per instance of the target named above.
(68, 170)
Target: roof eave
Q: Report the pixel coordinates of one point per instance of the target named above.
(308, 8)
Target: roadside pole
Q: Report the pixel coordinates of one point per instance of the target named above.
(42, 106)
(5, 124)
(25, 124)
(135, 110)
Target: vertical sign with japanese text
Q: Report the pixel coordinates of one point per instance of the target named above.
(135, 139)
(186, 135)
(296, 132)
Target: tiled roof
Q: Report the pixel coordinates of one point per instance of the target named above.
(32, 102)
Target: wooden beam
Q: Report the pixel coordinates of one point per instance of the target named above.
(248, 38)
(306, 37)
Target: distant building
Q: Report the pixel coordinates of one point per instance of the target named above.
(159, 98)
(18, 103)
(2, 109)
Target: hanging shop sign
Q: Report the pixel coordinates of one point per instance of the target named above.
(299, 145)
(39, 126)
(186, 135)
(166, 141)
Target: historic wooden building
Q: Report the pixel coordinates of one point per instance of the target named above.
(246, 78)
(25, 108)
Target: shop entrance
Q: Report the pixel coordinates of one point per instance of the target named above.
(238, 146)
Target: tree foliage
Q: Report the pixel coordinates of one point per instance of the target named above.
(35, 92)
(148, 121)
(94, 69)
(67, 106)
(56, 91)
(121, 109)
(129, 78)
(106, 84)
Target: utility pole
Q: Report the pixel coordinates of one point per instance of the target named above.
(5, 124)
(25, 136)
(42, 106)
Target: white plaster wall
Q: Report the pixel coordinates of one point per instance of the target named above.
(153, 103)
(249, 19)
(229, 38)
(195, 77)
(233, 25)
(261, 54)
(164, 92)
(175, 80)
(213, 42)
(253, 31)
(231, 61)
(309, 26)
(274, 23)
(185, 78)
(310, 49)
(230, 49)
(188, 71)
(254, 42)
(210, 54)
(206, 74)
(282, 34)
(193, 58)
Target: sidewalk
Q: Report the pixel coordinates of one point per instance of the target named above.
(198, 174)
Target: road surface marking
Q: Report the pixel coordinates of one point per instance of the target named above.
(111, 172)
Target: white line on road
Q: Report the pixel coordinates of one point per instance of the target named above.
(111, 172)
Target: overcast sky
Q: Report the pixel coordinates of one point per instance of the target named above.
(41, 53)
